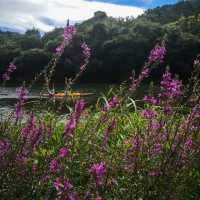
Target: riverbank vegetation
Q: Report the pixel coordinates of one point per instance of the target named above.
(113, 149)
(119, 147)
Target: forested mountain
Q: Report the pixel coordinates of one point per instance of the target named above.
(118, 45)
(170, 13)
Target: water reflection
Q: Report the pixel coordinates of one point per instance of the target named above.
(8, 97)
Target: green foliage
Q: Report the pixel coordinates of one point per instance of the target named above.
(123, 180)
(120, 45)
(28, 66)
(170, 13)
(114, 148)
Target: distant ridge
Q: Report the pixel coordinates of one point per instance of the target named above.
(7, 29)
(169, 13)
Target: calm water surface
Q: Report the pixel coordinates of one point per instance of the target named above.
(8, 94)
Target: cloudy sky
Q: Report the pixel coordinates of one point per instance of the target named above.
(21, 15)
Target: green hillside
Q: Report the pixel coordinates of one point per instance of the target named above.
(118, 45)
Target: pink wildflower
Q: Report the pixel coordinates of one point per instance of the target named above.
(58, 184)
(87, 54)
(98, 171)
(72, 123)
(54, 166)
(11, 68)
(157, 54)
(149, 114)
(67, 185)
(63, 152)
(150, 100)
(154, 173)
(170, 88)
(156, 150)
(188, 144)
(113, 103)
(99, 198)
(68, 34)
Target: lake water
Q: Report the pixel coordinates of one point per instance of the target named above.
(8, 96)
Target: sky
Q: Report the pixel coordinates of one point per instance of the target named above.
(45, 15)
(140, 3)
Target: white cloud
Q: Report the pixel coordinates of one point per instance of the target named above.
(46, 14)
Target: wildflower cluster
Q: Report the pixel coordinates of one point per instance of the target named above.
(98, 171)
(11, 68)
(170, 88)
(71, 125)
(156, 56)
(87, 54)
(113, 103)
(112, 152)
(69, 32)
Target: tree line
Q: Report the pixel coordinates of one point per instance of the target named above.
(119, 46)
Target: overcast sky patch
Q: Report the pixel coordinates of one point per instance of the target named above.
(46, 15)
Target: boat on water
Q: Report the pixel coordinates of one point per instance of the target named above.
(69, 94)
(57, 95)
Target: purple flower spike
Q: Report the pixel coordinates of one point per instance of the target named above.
(99, 198)
(6, 77)
(63, 152)
(170, 88)
(113, 103)
(151, 100)
(11, 68)
(69, 32)
(67, 185)
(72, 123)
(54, 166)
(73, 197)
(79, 107)
(149, 114)
(154, 173)
(188, 145)
(87, 54)
(60, 49)
(156, 150)
(98, 171)
(57, 183)
(157, 54)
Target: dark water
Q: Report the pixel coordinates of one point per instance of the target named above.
(8, 95)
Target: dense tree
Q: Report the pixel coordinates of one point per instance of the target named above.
(30, 62)
(170, 13)
(119, 46)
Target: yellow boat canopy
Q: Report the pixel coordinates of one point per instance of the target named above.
(70, 94)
